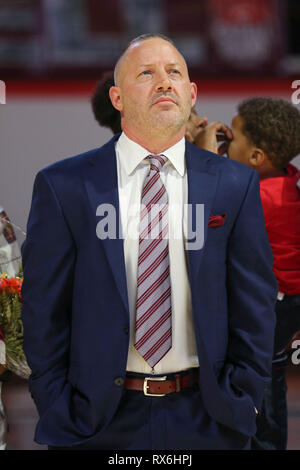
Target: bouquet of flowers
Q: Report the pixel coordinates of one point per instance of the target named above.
(11, 325)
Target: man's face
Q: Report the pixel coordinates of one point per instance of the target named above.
(240, 149)
(155, 90)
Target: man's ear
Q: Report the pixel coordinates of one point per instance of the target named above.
(257, 157)
(116, 97)
(193, 93)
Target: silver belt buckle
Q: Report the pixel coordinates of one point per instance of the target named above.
(154, 379)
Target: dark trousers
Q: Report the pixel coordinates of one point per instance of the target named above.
(177, 421)
(272, 422)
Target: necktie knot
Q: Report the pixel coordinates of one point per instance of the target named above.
(156, 162)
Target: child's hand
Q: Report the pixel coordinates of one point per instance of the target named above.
(194, 125)
(209, 137)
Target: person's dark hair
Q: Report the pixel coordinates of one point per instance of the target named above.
(272, 125)
(104, 112)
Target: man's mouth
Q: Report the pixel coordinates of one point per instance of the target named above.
(164, 99)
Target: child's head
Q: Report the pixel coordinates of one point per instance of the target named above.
(266, 134)
(104, 112)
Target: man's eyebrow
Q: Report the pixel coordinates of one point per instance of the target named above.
(171, 64)
(146, 65)
(174, 64)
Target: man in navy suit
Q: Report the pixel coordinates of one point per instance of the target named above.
(139, 342)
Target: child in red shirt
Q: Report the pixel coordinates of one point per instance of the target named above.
(265, 135)
(281, 205)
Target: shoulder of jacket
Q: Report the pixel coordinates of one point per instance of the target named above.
(230, 170)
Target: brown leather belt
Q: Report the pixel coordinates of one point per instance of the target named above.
(161, 386)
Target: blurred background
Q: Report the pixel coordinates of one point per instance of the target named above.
(53, 52)
(81, 38)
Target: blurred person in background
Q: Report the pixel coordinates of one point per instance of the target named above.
(10, 255)
(196, 376)
(265, 135)
(10, 262)
(194, 124)
(3, 375)
(104, 112)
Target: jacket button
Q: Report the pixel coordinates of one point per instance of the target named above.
(119, 381)
(126, 329)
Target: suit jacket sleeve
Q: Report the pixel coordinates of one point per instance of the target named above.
(48, 260)
(252, 291)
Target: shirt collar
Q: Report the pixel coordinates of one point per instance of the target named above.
(135, 154)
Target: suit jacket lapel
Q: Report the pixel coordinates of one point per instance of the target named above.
(101, 182)
(202, 184)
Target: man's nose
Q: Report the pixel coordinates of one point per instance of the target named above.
(163, 83)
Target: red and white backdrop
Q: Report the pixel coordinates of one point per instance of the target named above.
(217, 37)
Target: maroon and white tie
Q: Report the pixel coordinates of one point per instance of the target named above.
(153, 337)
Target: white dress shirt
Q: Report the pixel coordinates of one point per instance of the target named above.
(132, 171)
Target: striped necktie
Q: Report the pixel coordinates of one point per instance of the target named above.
(153, 337)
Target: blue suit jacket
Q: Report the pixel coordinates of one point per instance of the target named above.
(75, 306)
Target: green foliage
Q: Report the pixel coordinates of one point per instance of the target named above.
(11, 324)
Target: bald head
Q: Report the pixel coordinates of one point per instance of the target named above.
(121, 64)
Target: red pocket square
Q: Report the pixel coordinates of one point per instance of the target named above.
(217, 220)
